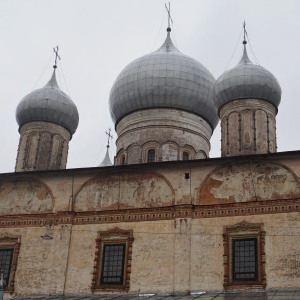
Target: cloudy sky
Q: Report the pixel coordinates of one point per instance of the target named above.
(98, 38)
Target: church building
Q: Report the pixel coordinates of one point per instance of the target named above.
(161, 217)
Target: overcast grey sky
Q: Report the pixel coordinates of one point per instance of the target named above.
(97, 39)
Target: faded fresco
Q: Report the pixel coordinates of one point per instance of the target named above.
(24, 196)
(124, 190)
(248, 181)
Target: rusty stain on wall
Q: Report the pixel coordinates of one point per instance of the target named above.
(248, 181)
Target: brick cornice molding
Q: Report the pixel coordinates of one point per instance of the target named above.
(152, 214)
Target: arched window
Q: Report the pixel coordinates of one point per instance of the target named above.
(123, 159)
(151, 156)
(185, 155)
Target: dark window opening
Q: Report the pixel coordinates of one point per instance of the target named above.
(185, 156)
(5, 262)
(113, 264)
(151, 156)
(123, 160)
(244, 266)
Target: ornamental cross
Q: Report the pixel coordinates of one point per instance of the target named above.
(56, 54)
(109, 136)
(169, 14)
(245, 32)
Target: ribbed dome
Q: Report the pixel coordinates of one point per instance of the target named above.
(247, 81)
(49, 104)
(165, 78)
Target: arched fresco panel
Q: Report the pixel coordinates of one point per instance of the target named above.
(248, 181)
(24, 196)
(124, 190)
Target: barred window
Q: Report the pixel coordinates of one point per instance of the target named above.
(113, 264)
(151, 156)
(6, 256)
(244, 259)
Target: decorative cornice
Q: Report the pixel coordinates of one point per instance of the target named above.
(247, 208)
(152, 214)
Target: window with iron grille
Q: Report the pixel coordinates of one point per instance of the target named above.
(113, 264)
(6, 256)
(151, 156)
(244, 262)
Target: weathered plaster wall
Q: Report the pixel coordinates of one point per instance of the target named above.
(204, 183)
(168, 256)
(42, 262)
(282, 250)
(179, 250)
(152, 257)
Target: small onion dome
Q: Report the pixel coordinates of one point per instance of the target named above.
(106, 162)
(247, 81)
(48, 104)
(165, 78)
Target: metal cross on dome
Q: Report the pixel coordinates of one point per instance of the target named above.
(245, 32)
(56, 55)
(169, 14)
(109, 136)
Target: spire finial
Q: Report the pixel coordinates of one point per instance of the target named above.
(56, 56)
(169, 16)
(245, 59)
(109, 136)
(106, 161)
(245, 32)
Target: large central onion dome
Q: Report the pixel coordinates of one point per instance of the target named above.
(247, 81)
(48, 104)
(165, 78)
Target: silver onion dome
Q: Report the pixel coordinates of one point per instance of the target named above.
(49, 104)
(106, 162)
(247, 81)
(165, 78)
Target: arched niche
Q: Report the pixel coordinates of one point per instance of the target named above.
(248, 181)
(126, 189)
(25, 196)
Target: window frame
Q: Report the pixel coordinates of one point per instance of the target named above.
(239, 232)
(186, 153)
(153, 155)
(110, 237)
(11, 243)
